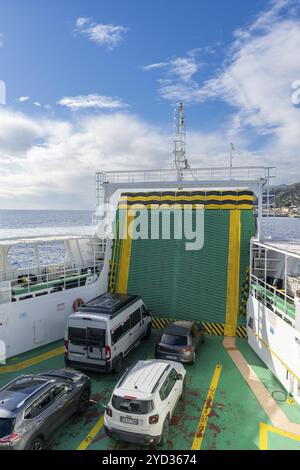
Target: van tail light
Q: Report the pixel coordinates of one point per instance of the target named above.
(153, 419)
(107, 352)
(11, 439)
(108, 412)
(66, 346)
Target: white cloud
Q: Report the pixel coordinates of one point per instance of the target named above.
(1, 40)
(17, 132)
(178, 78)
(255, 79)
(49, 163)
(92, 101)
(109, 35)
(36, 103)
(21, 99)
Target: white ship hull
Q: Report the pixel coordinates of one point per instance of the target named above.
(31, 323)
(277, 344)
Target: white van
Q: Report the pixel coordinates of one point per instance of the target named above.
(104, 330)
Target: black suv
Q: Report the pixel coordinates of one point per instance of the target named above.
(33, 406)
(179, 342)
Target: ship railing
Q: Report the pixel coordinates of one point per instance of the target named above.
(32, 284)
(188, 174)
(277, 300)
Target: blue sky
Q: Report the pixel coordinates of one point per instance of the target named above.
(92, 84)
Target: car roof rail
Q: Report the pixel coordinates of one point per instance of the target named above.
(160, 377)
(33, 393)
(122, 379)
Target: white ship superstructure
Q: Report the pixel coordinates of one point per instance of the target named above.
(273, 320)
(36, 299)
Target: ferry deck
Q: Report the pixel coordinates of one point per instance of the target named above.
(232, 401)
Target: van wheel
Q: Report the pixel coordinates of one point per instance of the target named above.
(37, 443)
(84, 400)
(148, 332)
(118, 364)
(165, 432)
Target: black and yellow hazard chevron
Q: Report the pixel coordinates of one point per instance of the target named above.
(244, 294)
(231, 199)
(209, 328)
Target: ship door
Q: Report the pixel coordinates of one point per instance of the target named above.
(3, 337)
(39, 331)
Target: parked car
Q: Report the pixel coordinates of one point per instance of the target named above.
(104, 331)
(179, 342)
(33, 406)
(143, 402)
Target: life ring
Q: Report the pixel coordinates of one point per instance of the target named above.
(77, 304)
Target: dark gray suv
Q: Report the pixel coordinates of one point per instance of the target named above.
(179, 342)
(33, 406)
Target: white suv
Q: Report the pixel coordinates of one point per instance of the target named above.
(143, 402)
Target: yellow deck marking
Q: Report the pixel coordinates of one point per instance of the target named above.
(206, 409)
(263, 435)
(125, 257)
(31, 362)
(233, 273)
(91, 435)
(274, 354)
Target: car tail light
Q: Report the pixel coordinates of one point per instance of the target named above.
(107, 352)
(66, 346)
(186, 349)
(153, 419)
(11, 439)
(108, 412)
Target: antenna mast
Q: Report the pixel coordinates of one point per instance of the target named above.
(180, 160)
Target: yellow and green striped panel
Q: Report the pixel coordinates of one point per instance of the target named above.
(230, 199)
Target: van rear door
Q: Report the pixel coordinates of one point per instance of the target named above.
(77, 347)
(87, 340)
(95, 341)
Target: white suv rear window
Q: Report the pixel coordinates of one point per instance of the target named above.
(132, 405)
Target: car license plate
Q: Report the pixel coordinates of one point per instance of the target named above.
(171, 357)
(123, 419)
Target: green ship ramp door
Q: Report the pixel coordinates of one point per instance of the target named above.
(209, 285)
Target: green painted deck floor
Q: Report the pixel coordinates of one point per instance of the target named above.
(234, 419)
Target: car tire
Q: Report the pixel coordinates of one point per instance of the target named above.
(148, 332)
(118, 364)
(165, 432)
(194, 358)
(183, 390)
(84, 400)
(37, 443)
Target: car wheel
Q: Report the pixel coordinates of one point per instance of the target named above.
(183, 390)
(118, 364)
(165, 432)
(36, 444)
(148, 332)
(194, 358)
(84, 400)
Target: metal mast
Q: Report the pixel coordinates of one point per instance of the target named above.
(180, 160)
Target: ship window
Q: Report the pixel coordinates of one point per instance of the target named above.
(21, 255)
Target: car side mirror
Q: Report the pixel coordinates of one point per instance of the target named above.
(179, 377)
